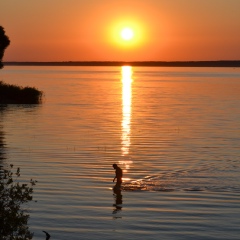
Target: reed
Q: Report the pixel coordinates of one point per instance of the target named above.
(13, 94)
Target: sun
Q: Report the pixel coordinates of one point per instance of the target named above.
(127, 34)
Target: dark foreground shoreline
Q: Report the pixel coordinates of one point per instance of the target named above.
(222, 63)
(13, 94)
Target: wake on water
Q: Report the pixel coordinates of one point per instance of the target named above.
(185, 180)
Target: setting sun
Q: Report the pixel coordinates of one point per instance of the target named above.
(127, 34)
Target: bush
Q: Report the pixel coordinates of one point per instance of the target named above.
(12, 94)
(14, 218)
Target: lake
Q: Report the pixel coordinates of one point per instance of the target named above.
(175, 132)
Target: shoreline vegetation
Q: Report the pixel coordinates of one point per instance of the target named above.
(220, 63)
(14, 196)
(13, 94)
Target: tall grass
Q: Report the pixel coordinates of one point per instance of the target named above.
(12, 94)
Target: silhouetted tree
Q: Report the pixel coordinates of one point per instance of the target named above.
(4, 42)
(13, 195)
(12, 94)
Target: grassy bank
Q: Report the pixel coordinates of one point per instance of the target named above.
(12, 94)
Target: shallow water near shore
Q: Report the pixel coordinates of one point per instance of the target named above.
(174, 131)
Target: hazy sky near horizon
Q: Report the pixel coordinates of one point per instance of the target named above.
(89, 30)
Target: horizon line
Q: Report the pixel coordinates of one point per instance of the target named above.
(202, 63)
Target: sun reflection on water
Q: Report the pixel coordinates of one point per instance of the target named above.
(126, 113)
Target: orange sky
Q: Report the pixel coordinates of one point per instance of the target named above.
(88, 30)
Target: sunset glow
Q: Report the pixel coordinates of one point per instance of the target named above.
(104, 30)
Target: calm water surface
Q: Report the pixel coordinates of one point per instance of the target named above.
(174, 131)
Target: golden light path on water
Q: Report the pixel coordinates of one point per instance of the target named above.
(126, 114)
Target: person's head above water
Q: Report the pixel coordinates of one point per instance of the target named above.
(115, 165)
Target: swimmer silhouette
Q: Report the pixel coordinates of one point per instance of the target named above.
(117, 188)
(118, 174)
